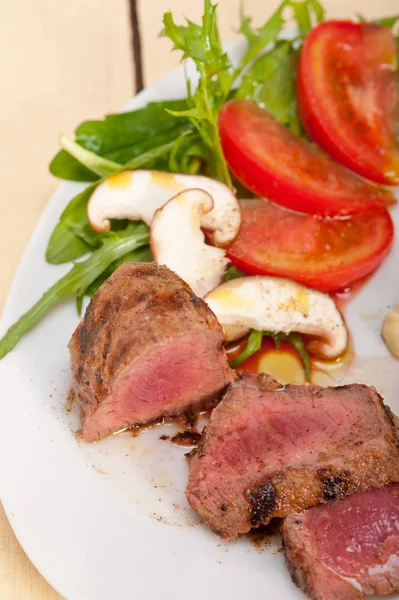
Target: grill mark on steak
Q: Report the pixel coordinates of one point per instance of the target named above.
(334, 486)
(262, 502)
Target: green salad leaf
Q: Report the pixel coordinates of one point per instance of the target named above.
(271, 83)
(82, 275)
(202, 44)
(122, 137)
(271, 75)
(97, 164)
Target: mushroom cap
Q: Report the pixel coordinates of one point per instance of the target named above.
(137, 195)
(178, 242)
(279, 305)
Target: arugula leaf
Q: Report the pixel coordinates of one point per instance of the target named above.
(188, 153)
(202, 44)
(271, 83)
(254, 343)
(387, 21)
(302, 17)
(269, 79)
(77, 280)
(271, 63)
(304, 12)
(318, 10)
(141, 255)
(258, 39)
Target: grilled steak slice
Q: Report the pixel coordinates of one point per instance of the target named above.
(271, 450)
(347, 549)
(146, 348)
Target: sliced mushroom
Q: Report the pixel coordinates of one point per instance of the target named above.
(177, 241)
(390, 331)
(274, 304)
(136, 195)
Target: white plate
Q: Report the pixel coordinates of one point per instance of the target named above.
(110, 520)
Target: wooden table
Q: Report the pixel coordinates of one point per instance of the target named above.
(60, 63)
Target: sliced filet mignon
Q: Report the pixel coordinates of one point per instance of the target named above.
(146, 348)
(271, 450)
(346, 549)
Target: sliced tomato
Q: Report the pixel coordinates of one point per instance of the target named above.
(274, 163)
(347, 96)
(327, 255)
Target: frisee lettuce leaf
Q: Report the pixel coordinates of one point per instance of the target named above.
(202, 44)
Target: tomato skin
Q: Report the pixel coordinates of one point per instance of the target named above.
(328, 255)
(274, 163)
(347, 94)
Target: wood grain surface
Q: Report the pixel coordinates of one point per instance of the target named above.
(60, 63)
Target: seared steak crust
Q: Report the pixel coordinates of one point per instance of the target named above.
(140, 309)
(271, 450)
(347, 549)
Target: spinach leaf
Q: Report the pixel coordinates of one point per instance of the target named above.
(390, 22)
(65, 244)
(77, 280)
(66, 166)
(121, 137)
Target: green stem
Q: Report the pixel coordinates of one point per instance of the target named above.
(99, 165)
(254, 343)
(222, 173)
